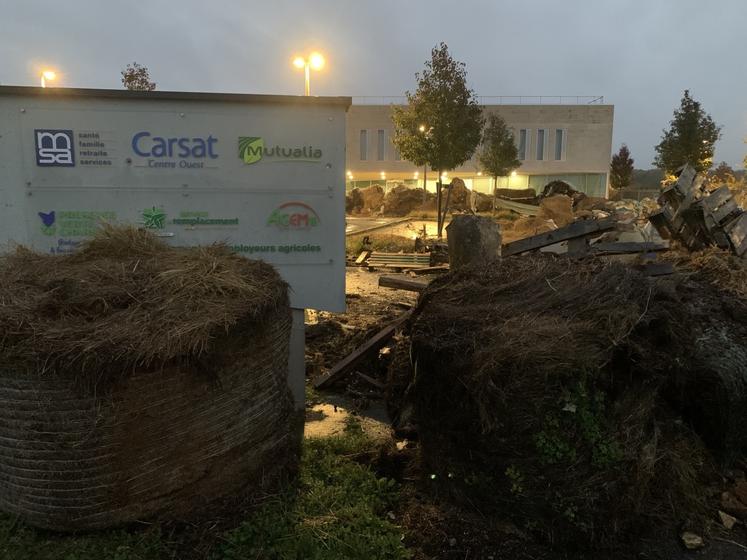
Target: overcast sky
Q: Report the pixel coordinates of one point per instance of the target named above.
(640, 55)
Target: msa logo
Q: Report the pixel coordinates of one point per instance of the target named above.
(54, 148)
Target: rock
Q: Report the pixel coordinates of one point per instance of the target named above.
(473, 239)
(558, 208)
(727, 520)
(733, 506)
(692, 541)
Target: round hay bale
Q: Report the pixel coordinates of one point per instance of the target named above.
(546, 389)
(140, 380)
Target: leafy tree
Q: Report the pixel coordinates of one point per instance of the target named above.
(621, 168)
(136, 78)
(690, 138)
(498, 155)
(441, 123)
(723, 173)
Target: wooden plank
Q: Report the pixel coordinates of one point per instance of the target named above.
(362, 257)
(656, 268)
(723, 211)
(350, 361)
(717, 198)
(576, 229)
(402, 282)
(371, 381)
(625, 247)
(429, 270)
(736, 230)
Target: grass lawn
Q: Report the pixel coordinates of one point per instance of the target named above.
(337, 509)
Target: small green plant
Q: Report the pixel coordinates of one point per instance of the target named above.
(552, 444)
(516, 478)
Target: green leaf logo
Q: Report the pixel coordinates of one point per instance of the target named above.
(251, 148)
(154, 218)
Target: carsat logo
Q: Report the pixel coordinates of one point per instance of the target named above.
(294, 215)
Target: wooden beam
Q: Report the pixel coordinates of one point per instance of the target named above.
(625, 247)
(576, 229)
(429, 270)
(347, 364)
(401, 282)
(656, 268)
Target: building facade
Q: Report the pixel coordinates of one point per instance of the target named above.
(568, 142)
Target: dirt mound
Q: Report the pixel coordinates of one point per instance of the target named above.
(558, 187)
(562, 392)
(402, 200)
(367, 201)
(558, 208)
(525, 226)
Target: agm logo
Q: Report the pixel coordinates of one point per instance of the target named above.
(54, 148)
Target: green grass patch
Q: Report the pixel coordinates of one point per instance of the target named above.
(335, 510)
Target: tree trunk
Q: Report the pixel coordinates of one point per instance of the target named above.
(439, 225)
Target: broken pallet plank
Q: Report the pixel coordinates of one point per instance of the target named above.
(624, 247)
(402, 282)
(348, 363)
(362, 257)
(428, 270)
(576, 229)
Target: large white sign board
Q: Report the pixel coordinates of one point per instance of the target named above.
(264, 174)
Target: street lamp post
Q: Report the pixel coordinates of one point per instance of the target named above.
(47, 75)
(315, 61)
(422, 130)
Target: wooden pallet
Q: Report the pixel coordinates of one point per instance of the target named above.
(399, 260)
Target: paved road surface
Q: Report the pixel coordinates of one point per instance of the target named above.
(356, 225)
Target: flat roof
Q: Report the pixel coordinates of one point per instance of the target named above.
(62, 92)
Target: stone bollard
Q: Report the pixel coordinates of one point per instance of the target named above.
(472, 238)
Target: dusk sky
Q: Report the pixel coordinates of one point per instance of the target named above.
(639, 55)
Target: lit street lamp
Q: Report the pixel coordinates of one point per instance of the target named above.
(315, 61)
(47, 75)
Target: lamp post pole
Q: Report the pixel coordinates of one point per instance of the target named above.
(315, 61)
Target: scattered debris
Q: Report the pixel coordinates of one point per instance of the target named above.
(728, 521)
(349, 362)
(692, 541)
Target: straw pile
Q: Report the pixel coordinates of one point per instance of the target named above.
(138, 379)
(562, 392)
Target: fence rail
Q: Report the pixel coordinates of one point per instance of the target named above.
(493, 100)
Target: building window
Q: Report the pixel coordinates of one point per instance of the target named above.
(380, 145)
(523, 143)
(560, 142)
(541, 134)
(364, 145)
(395, 151)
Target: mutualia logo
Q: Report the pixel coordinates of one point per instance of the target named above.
(252, 149)
(294, 215)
